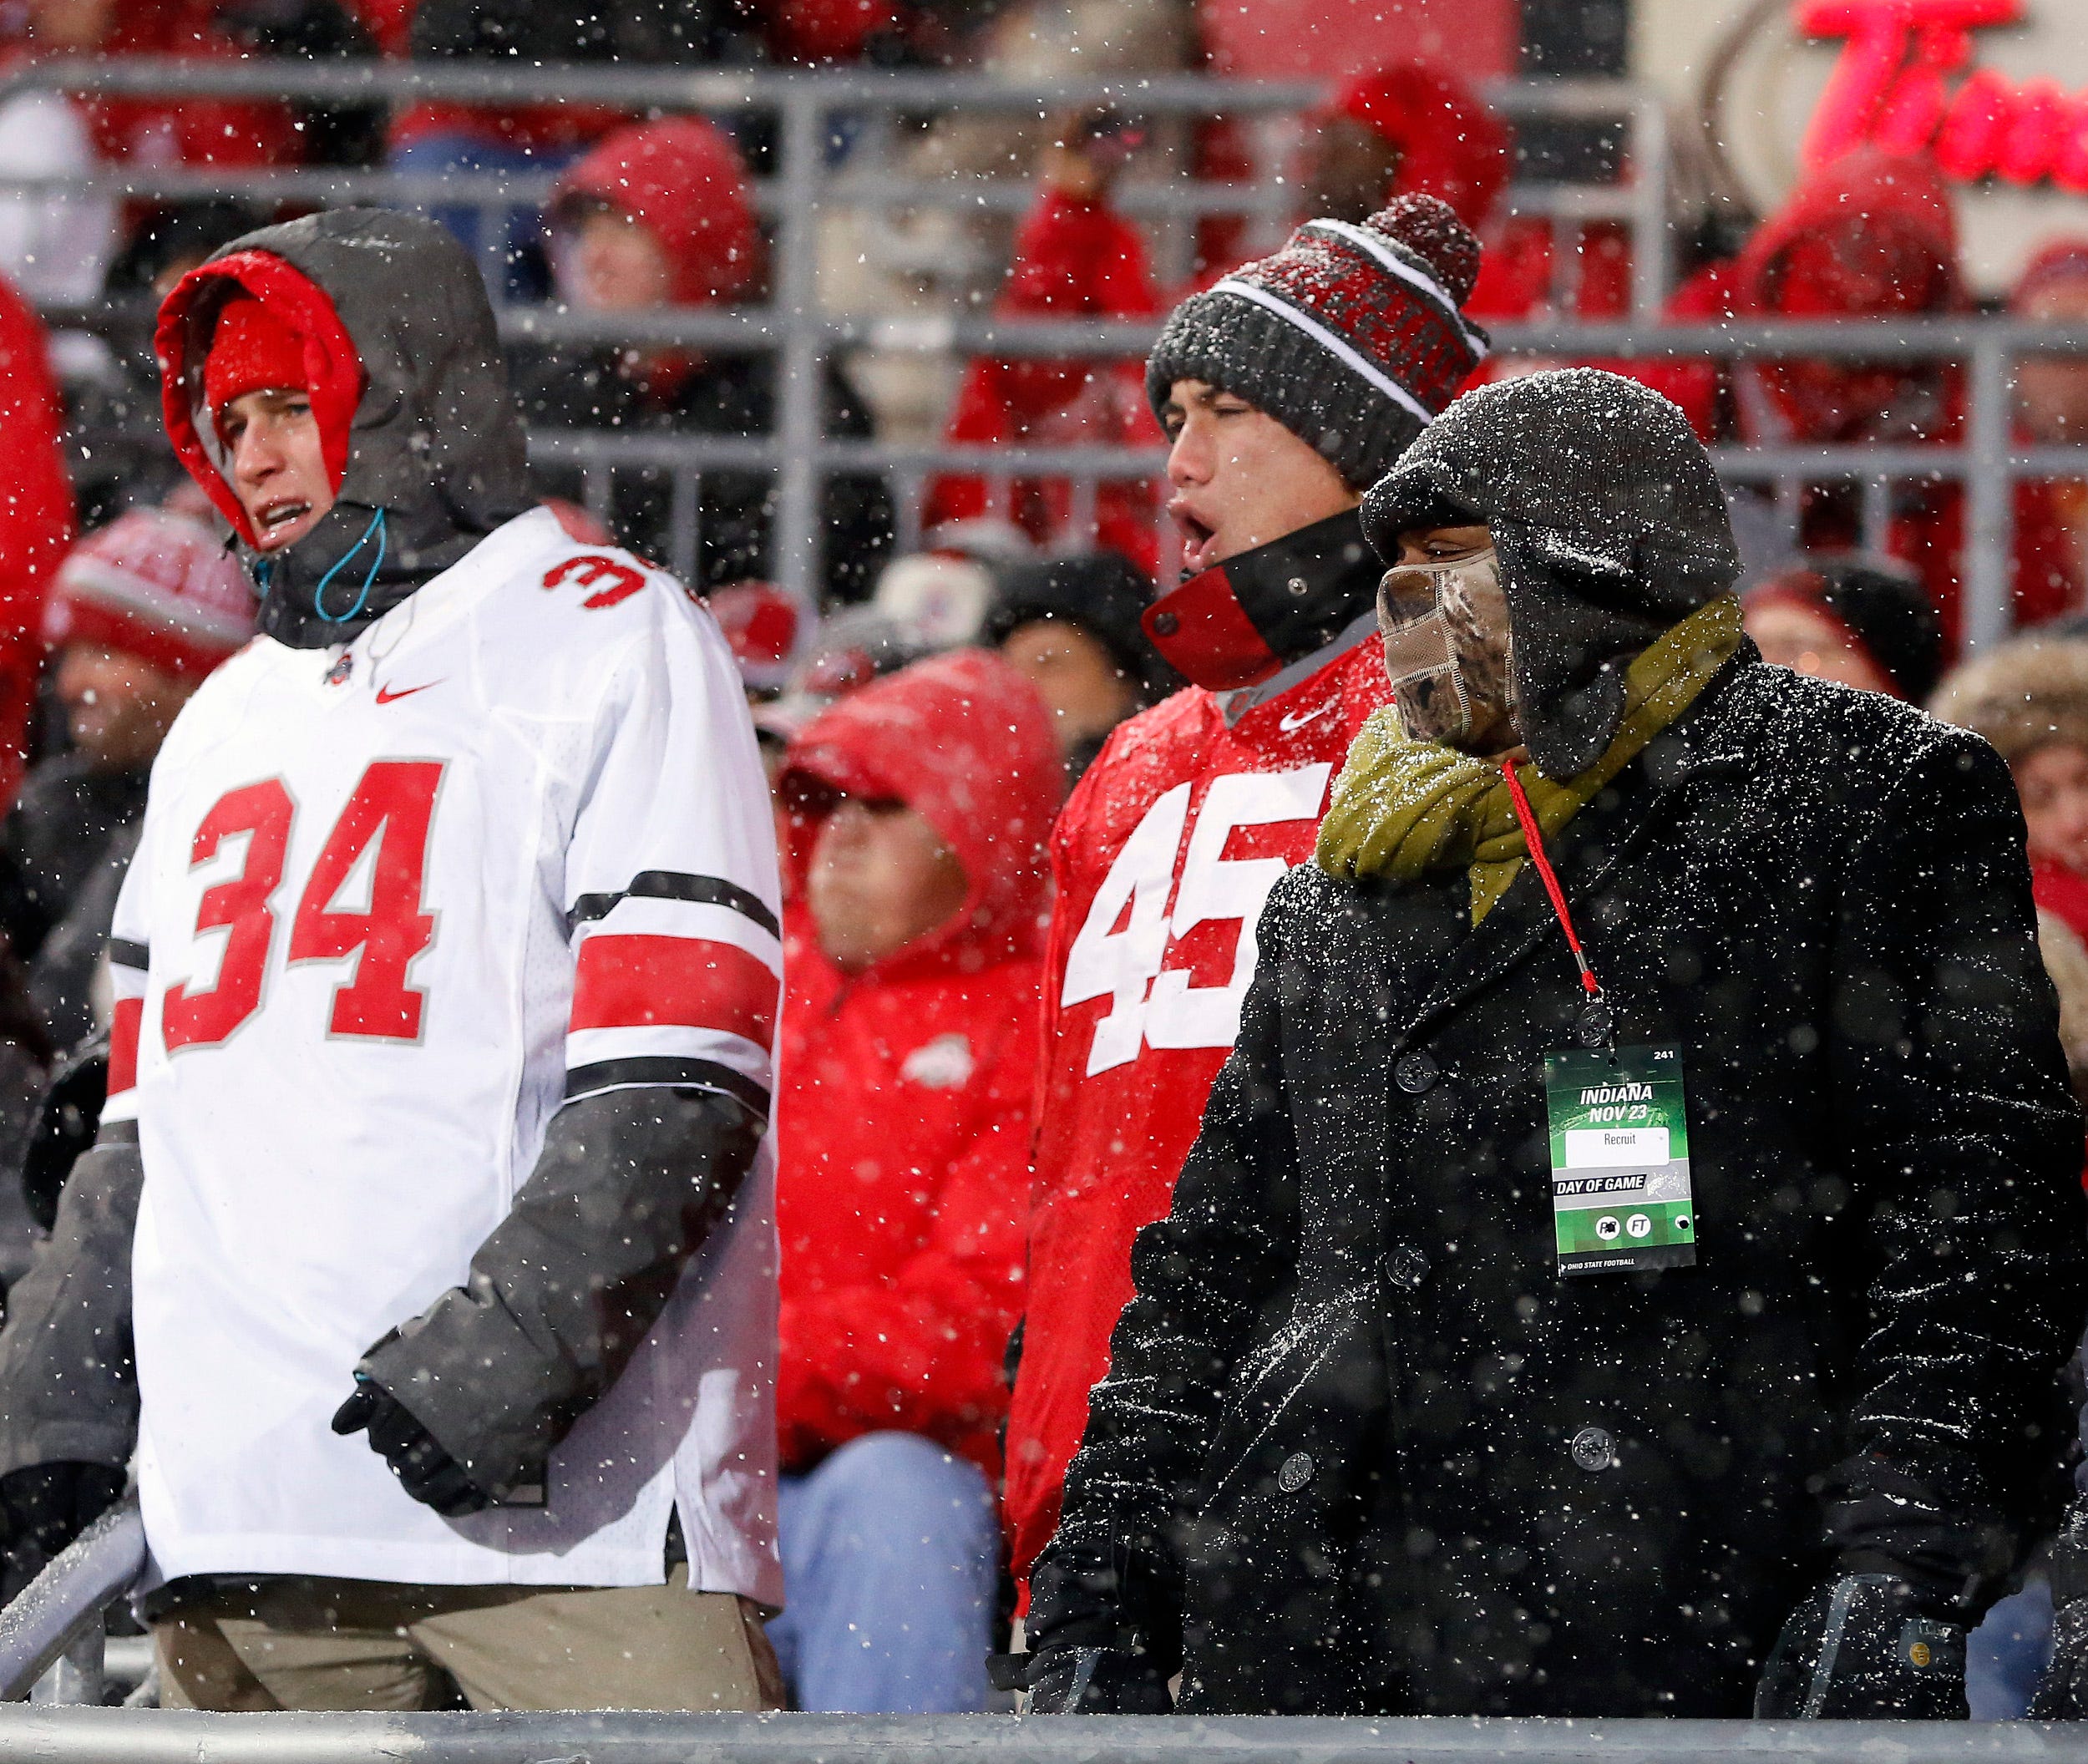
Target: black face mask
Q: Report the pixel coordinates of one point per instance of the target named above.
(347, 572)
(1240, 621)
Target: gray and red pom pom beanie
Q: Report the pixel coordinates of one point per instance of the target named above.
(1350, 336)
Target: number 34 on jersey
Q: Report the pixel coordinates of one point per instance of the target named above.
(1121, 950)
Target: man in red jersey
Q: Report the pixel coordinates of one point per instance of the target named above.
(1286, 389)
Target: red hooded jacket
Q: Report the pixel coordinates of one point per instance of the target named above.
(684, 179)
(904, 1105)
(36, 522)
(2051, 514)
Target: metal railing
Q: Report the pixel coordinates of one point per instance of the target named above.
(51, 1646)
(155, 1736)
(51, 1636)
(801, 336)
(806, 110)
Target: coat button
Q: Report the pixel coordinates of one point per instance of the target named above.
(1295, 1472)
(1408, 1265)
(1415, 1073)
(1593, 1449)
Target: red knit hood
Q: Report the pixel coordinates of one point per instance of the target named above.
(964, 741)
(333, 370)
(1872, 235)
(1451, 145)
(684, 178)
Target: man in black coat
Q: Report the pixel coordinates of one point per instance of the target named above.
(1394, 1422)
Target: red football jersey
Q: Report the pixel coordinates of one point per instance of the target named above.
(1162, 860)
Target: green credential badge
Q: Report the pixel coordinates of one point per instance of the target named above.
(1620, 1161)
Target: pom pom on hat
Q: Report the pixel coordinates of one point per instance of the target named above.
(1429, 227)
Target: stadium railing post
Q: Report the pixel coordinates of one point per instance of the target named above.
(1989, 493)
(795, 542)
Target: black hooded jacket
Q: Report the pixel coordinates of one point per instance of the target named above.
(629, 1181)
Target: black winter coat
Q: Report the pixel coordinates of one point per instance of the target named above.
(1361, 1450)
(63, 849)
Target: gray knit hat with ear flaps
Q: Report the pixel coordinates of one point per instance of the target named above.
(1608, 522)
(1350, 336)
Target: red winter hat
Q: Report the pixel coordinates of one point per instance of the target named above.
(770, 628)
(251, 350)
(1451, 144)
(1872, 234)
(154, 584)
(2062, 260)
(683, 178)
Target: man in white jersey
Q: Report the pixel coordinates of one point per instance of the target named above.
(445, 980)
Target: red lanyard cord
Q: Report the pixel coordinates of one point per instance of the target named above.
(1532, 839)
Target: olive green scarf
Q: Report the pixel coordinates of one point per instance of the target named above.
(1402, 808)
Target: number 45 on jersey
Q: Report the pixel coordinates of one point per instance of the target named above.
(1121, 951)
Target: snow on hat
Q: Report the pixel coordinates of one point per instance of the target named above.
(2021, 695)
(1608, 522)
(251, 350)
(770, 628)
(154, 584)
(1350, 337)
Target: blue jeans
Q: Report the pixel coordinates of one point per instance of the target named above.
(890, 1557)
(2006, 1655)
(464, 152)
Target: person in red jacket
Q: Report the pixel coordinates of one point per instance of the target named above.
(1075, 257)
(1288, 388)
(918, 811)
(1408, 129)
(2051, 406)
(1870, 235)
(36, 524)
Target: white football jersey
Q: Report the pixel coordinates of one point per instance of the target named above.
(391, 905)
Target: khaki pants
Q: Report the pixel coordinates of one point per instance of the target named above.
(296, 1642)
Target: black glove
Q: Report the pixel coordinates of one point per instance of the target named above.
(43, 1508)
(1098, 1682)
(1863, 1648)
(2062, 1693)
(423, 1469)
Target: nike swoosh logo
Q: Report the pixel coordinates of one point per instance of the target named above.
(1290, 725)
(385, 694)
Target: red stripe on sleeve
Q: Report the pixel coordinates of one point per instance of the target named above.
(629, 982)
(123, 1044)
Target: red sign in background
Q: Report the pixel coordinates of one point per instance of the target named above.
(1326, 39)
(1906, 79)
